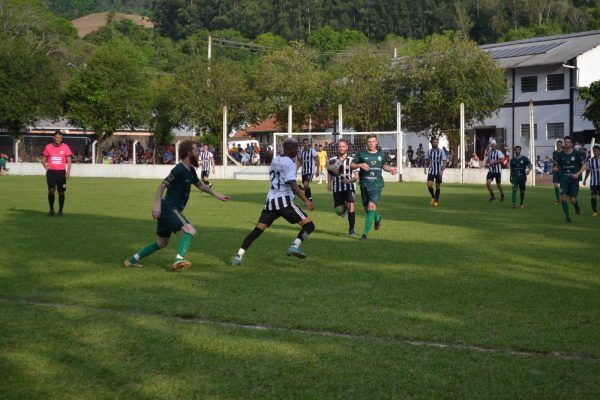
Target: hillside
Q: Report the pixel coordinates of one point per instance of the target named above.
(92, 22)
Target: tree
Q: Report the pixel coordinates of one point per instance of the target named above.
(591, 95)
(109, 93)
(447, 72)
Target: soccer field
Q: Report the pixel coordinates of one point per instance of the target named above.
(469, 300)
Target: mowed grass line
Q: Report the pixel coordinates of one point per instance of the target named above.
(469, 272)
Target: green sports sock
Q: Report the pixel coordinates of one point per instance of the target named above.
(184, 246)
(565, 207)
(557, 193)
(377, 216)
(514, 197)
(369, 222)
(145, 252)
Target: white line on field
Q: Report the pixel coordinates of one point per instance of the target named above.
(413, 342)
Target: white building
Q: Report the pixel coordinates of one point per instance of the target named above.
(550, 71)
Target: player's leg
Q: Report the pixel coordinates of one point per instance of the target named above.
(61, 187)
(264, 221)
(162, 242)
(373, 218)
(430, 188)
(499, 184)
(594, 200)
(306, 183)
(438, 185)
(564, 197)
(515, 187)
(306, 228)
(339, 203)
(488, 183)
(351, 214)
(556, 183)
(51, 183)
(187, 234)
(522, 188)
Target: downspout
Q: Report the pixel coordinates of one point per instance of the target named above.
(573, 83)
(514, 84)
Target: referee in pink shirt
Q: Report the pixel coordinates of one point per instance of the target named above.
(56, 160)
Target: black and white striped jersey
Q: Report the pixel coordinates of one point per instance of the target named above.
(281, 172)
(337, 184)
(495, 155)
(206, 160)
(437, 161)
(307, 157)
(594, 168)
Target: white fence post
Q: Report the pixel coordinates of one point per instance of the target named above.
(462, 142)
(177, 151)
(399, 142)
(17, 142)
(94, 151)
(134, 152)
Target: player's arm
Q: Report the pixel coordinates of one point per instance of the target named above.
(363, 165)
(425, 165)
(45, 162)
(206, 189)
(157, 199)
(68, 167)
(587, 174)
(529, 167)
(389, 169)
(577, 174)
(212, 163)
(300, 193)
(353, 178)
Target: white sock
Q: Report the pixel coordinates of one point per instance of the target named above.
(297, 242)
(137, 257)
(179, 257)
(240, 253)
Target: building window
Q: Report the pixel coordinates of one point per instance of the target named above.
(555, 130)
(525, 132)
(555, 82)
(529, 84)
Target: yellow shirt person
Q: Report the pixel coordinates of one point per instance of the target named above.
(322, 157)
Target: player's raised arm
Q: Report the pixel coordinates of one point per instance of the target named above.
(207, 189)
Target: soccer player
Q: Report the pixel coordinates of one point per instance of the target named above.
(371, 162)
(56, 160)
(343, 187)
(207, 163)
(168, 210)
(592, 167)
(280, 203)
(308, 158)
(555, 175)
(569, 166)
(435, 164)
(520, 166)
(322, 156)
(494, 164)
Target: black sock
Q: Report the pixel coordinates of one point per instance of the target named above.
(61, 201)
(308, 193)
(431, 192)
(594, 205)
(437, 194)
(351, 219)
(576, 206)
(305, 231)
(51, 200)
(522, 194)
(251, 238)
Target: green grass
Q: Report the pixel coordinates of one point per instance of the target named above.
(75, 324)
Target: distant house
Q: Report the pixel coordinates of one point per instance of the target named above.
(262, 132)
(550, 71)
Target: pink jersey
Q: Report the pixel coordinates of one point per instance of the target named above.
(57, 156)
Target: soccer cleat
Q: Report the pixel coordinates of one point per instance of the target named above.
(522, 206)
(436, 203)
(296, 252)
(433, 202)
(557, 203)
(568, 220)
(492, 198)
(502, 198)
(352, 233)
(127, 264)
(377, 224)
(514, 206)
(363, 237)
(577, 209)
(236, 261)
(180, 265)
(595, 214)
(59, 213)
(51, 213)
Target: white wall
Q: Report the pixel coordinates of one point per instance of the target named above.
(588, 65)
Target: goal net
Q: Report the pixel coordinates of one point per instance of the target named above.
(33, 146)
(388, 142)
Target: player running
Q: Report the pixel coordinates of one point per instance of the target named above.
(569, 165)
(371, 162)
(308, 158)
(520, 167)
(280, 203)
(494, 164)
(435, 164)
(56, 160)
(322, 170)
(168, 210)
(343, 187)
(207, 164)
(555, 175)
(592, 167)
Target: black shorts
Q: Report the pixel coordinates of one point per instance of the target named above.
(595, 190)
(292, 214)
(307, 178)
(436, 178)
(204, 174)
(519, 183)
(555, 177)
(343, 197)
(170, 221)
(57, 179)
(494, 175)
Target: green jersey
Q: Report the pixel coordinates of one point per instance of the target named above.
(568, 163)
(178, 184)
(371, 179)
(518, 167)
(2, 162)
(555, 155)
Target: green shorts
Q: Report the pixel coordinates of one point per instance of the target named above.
(170, 221)
(370, 196)
(518, 183)
(569, 186)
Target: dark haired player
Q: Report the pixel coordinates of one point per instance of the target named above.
(168, 210)
(56, 159)
(308, 160)
(207, 164)
(435, 164)
(494, 164)
(343, 187)
(592, 167)
(555, 175)
(570, 167)
(371, 163)
(520, 167)
(280, 203)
